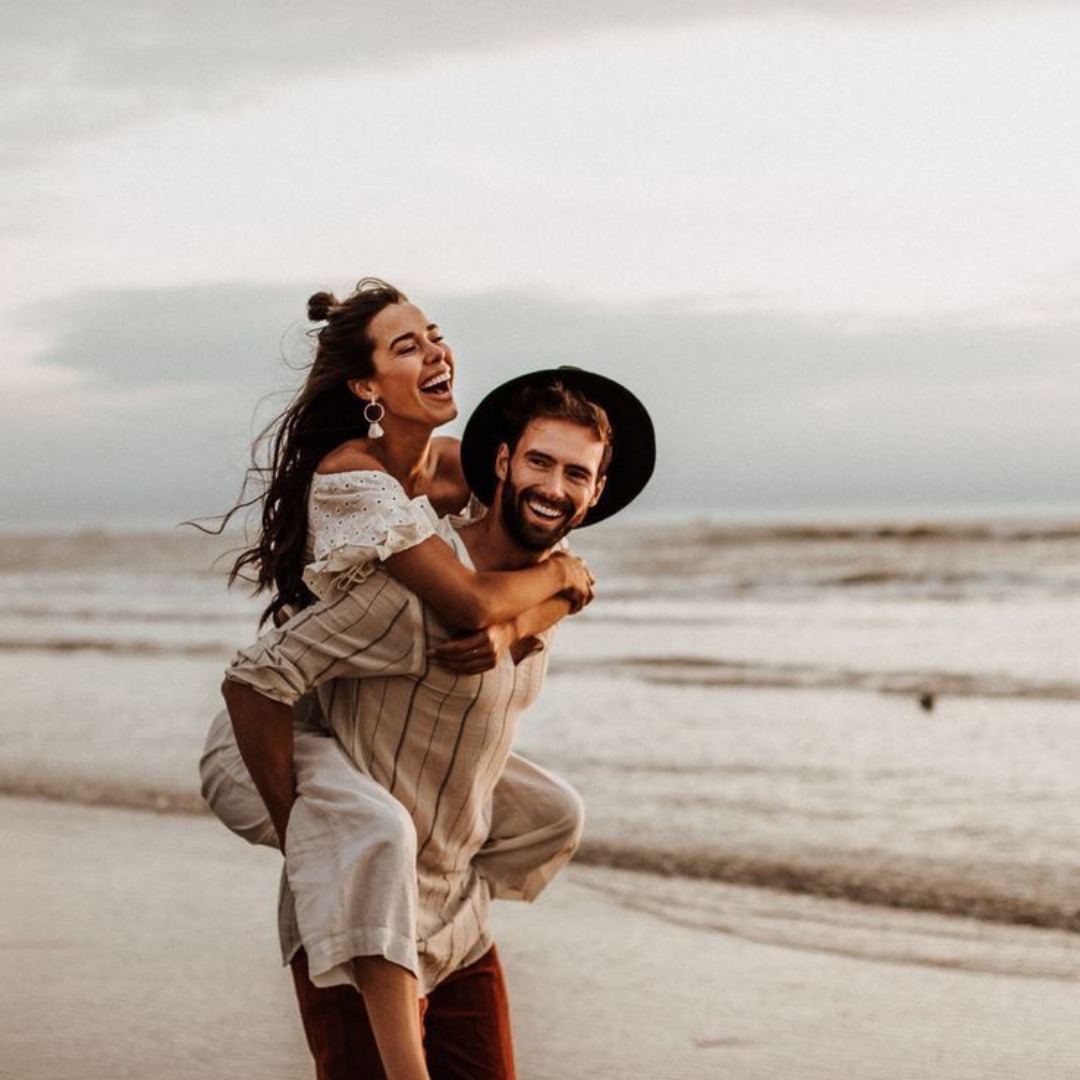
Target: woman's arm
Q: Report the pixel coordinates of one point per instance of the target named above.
(475, 599)
(347, 638)
(429, 567)
(264, 734)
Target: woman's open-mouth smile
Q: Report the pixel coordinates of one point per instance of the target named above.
(440, 386)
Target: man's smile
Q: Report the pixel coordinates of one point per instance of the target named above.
(548, 510)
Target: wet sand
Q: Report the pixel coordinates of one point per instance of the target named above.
(143, 945)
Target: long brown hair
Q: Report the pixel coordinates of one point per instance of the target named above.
(324, 414)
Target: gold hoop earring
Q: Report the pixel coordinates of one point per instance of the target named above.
(375, 429)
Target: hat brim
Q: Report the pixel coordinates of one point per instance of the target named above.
(633, 445)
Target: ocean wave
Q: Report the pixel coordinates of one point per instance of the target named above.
(117, 647)
(190, 617)
(87, 792)
(912, 886)
(975, 897)
(880, 934)
(923, 531)
(928, 686)
(171, 553)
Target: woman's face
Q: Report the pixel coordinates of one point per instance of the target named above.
(414, 367)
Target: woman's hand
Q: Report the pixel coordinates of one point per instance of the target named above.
(580, 582)
(475, 653)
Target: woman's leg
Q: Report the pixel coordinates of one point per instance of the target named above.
(350, 857)
(350, 860)
(536, 824)
(350, 852)
(393, 1010)
(337, 1027)
(341, 1033)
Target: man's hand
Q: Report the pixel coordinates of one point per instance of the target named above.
(475, 653)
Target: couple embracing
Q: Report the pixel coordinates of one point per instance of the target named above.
(415, 584)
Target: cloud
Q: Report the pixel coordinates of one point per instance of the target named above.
(754, 410)
(773, 409)
(76, 70)
(220, 335)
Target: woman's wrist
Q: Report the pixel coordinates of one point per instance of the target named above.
(563, 576)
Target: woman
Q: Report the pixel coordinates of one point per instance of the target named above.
(349, 499)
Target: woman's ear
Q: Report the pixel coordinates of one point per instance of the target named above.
(362, 388)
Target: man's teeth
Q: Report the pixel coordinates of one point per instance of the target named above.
(544, 511)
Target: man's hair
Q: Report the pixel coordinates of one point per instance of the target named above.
(557, 401)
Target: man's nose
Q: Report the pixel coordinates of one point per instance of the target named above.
(554, 486)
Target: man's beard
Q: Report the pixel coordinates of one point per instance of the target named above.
(526, 532)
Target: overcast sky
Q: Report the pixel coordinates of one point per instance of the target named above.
(835, 246)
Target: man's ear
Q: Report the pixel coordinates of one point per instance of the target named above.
(599, 491)
(502, 462)
(362, 388)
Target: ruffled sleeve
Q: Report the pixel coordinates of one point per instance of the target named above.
(355, 521)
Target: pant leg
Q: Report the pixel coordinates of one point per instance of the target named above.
(228, 788)
(350, 852)
(350, 858)
(467, 1032)
(338, 1031)
(537, 818)
(536, 824)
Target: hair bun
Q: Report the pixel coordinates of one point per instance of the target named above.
(320, 305)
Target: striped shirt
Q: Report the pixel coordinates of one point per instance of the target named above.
(435, 739)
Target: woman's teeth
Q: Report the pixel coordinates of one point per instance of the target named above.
(439, 385)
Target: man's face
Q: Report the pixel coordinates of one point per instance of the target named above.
(550, 483)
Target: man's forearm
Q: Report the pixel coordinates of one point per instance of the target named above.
(264, 734)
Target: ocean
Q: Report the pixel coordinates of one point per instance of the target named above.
(882, 714)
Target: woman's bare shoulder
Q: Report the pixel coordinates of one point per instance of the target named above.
(352, 456)
(447, 452)
(450, 492)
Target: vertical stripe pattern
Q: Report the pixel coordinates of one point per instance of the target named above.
(435, 740)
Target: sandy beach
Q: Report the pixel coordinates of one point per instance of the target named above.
(143, 945)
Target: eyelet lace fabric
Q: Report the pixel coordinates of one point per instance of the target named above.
(356, 520)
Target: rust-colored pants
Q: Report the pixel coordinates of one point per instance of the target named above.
(466, 1022)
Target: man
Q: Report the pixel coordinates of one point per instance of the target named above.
(546, 459)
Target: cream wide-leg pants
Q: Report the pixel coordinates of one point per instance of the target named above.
(350, 884)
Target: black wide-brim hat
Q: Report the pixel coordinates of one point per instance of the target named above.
(633, 443)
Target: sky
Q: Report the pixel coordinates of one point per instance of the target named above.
(834, 246)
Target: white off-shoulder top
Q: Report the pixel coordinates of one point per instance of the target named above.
(357, 519)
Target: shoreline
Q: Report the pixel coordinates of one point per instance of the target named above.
(144, 945)
(800, 884)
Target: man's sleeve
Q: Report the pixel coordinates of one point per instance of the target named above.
(375, 628)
